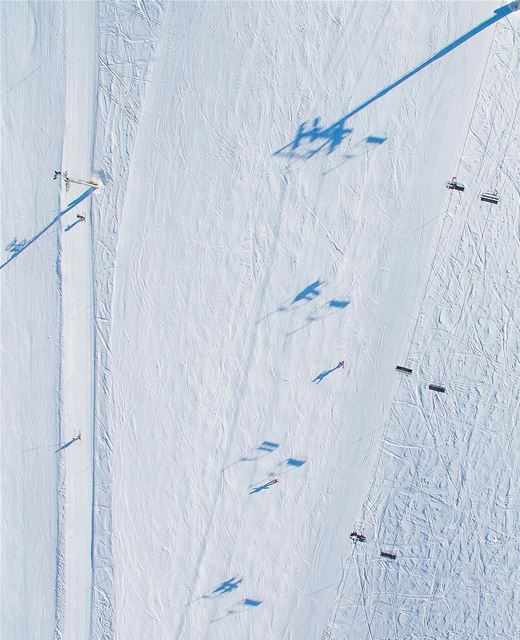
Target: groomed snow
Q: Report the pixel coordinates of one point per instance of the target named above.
(249, 235)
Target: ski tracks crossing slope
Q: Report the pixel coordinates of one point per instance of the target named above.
(441, 486)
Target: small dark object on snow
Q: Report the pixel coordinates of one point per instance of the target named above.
(491, 196)
(435, 387)
(403, 369)
(453, 184)
(387, 554)
(357, 537)
(56, 174)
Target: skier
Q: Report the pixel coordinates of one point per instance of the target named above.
(56, 174)
(78, 437)
(80, 217)
(341, 363)
(264, 486)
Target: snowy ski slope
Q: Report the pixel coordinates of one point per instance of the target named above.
(273, 203)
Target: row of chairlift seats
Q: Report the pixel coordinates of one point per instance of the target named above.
(486, 196)
(360, 537)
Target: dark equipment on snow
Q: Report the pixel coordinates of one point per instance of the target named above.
(453, 184)
(403, 369)
(357, 537)
(435, 387)
(490, 196)
(387, 554)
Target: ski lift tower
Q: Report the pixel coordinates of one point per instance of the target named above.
(93, 182)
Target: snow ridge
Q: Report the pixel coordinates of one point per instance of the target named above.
(121, 93)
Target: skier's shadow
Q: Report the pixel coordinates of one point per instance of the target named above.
(15, 246)
(73, 224)
(262, 487)
(67, 444)
(326, 373)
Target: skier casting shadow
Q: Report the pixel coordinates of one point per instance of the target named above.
(263, 486)
(326, 373)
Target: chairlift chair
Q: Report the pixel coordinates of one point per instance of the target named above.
(453, 184)
(490, 196)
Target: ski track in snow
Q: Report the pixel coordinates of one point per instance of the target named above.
(196, 319)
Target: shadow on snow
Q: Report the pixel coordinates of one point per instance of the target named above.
(17, 247)
(331, 137)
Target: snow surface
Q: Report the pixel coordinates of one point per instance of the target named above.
(190, 328)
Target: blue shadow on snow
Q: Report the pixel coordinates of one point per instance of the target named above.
(308, 294)
(27, 243)
(334, 135)
(326, 373)
(264, 448)
(67, 444)
(322, 313)
(73, 224)
(225, 587)
(247, 604)
(263, 487)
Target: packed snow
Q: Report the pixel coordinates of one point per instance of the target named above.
(201, 320)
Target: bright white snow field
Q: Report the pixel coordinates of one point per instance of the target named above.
(274, 202)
